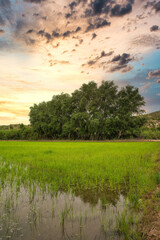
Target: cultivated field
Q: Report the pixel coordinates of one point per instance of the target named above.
(74, 190)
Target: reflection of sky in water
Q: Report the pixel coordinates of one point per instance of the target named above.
(36, 215)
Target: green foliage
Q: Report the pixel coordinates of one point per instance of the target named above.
(150, 133)
(154, 115)
(92, 168)
(90, 112)
(22, 133)
(127, 226)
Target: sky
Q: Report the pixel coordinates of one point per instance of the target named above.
(48, 47)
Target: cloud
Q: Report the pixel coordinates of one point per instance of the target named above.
(98, 23)
(46, 35)
(2, 31)
(34, 1)
(109, 8)
(146, 40)
(122, 59)
(154, 4)
(71, 6)
(78, 29)
(6, 10)
(2, 21)
(5, 3)
(121, 63)
(61, 62)
(145, 87)
(67, 34)
(154, 74)
(157, 6)
(119, 10)
(154, 28)
(94, 35)
(98, 5)
(55, 34)
(20, 25)
(30, 31)
(96, 59)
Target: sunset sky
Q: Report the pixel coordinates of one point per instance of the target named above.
(48, 47)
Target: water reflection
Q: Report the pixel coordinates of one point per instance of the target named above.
(30, 213)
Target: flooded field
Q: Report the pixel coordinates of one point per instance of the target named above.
(29, 213)
(90, 192)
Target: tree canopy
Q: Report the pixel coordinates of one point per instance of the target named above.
(90, 112)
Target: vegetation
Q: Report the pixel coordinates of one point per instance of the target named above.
(150, 133)
(99, 173)
(90, 112)
(82, 166)
(153, 115)
(21, 132)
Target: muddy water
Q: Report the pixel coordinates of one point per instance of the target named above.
(30, 214)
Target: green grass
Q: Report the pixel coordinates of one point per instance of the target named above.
(92, 170)
(82, 167)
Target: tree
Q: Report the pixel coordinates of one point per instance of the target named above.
(91, 112)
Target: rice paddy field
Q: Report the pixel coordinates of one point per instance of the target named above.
(75, 190)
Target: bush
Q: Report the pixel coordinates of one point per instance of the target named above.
(151, 133)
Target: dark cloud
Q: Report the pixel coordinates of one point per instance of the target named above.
(98, 5)
(68, 15)
(98, 23)
(122, 59)
(96, 59)
(55, 34)
(121, 63)
(44, 18)
(157, 6)
(154, 4)
(78, 29)
(119, 10)
(2, 31)
(121, 68)
(154, 28)
(30, 31)
(35, 1)
(103, 54)
(150, 4)
(66, 34)
(47, 35)
(94, 35)
(35, 14)
(154, 74)
(72, 5)
(108, 7)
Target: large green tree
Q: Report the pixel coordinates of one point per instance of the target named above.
(90, 112)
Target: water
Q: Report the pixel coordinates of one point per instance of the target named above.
(28, 213)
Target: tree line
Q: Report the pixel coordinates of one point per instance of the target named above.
(91, 112)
